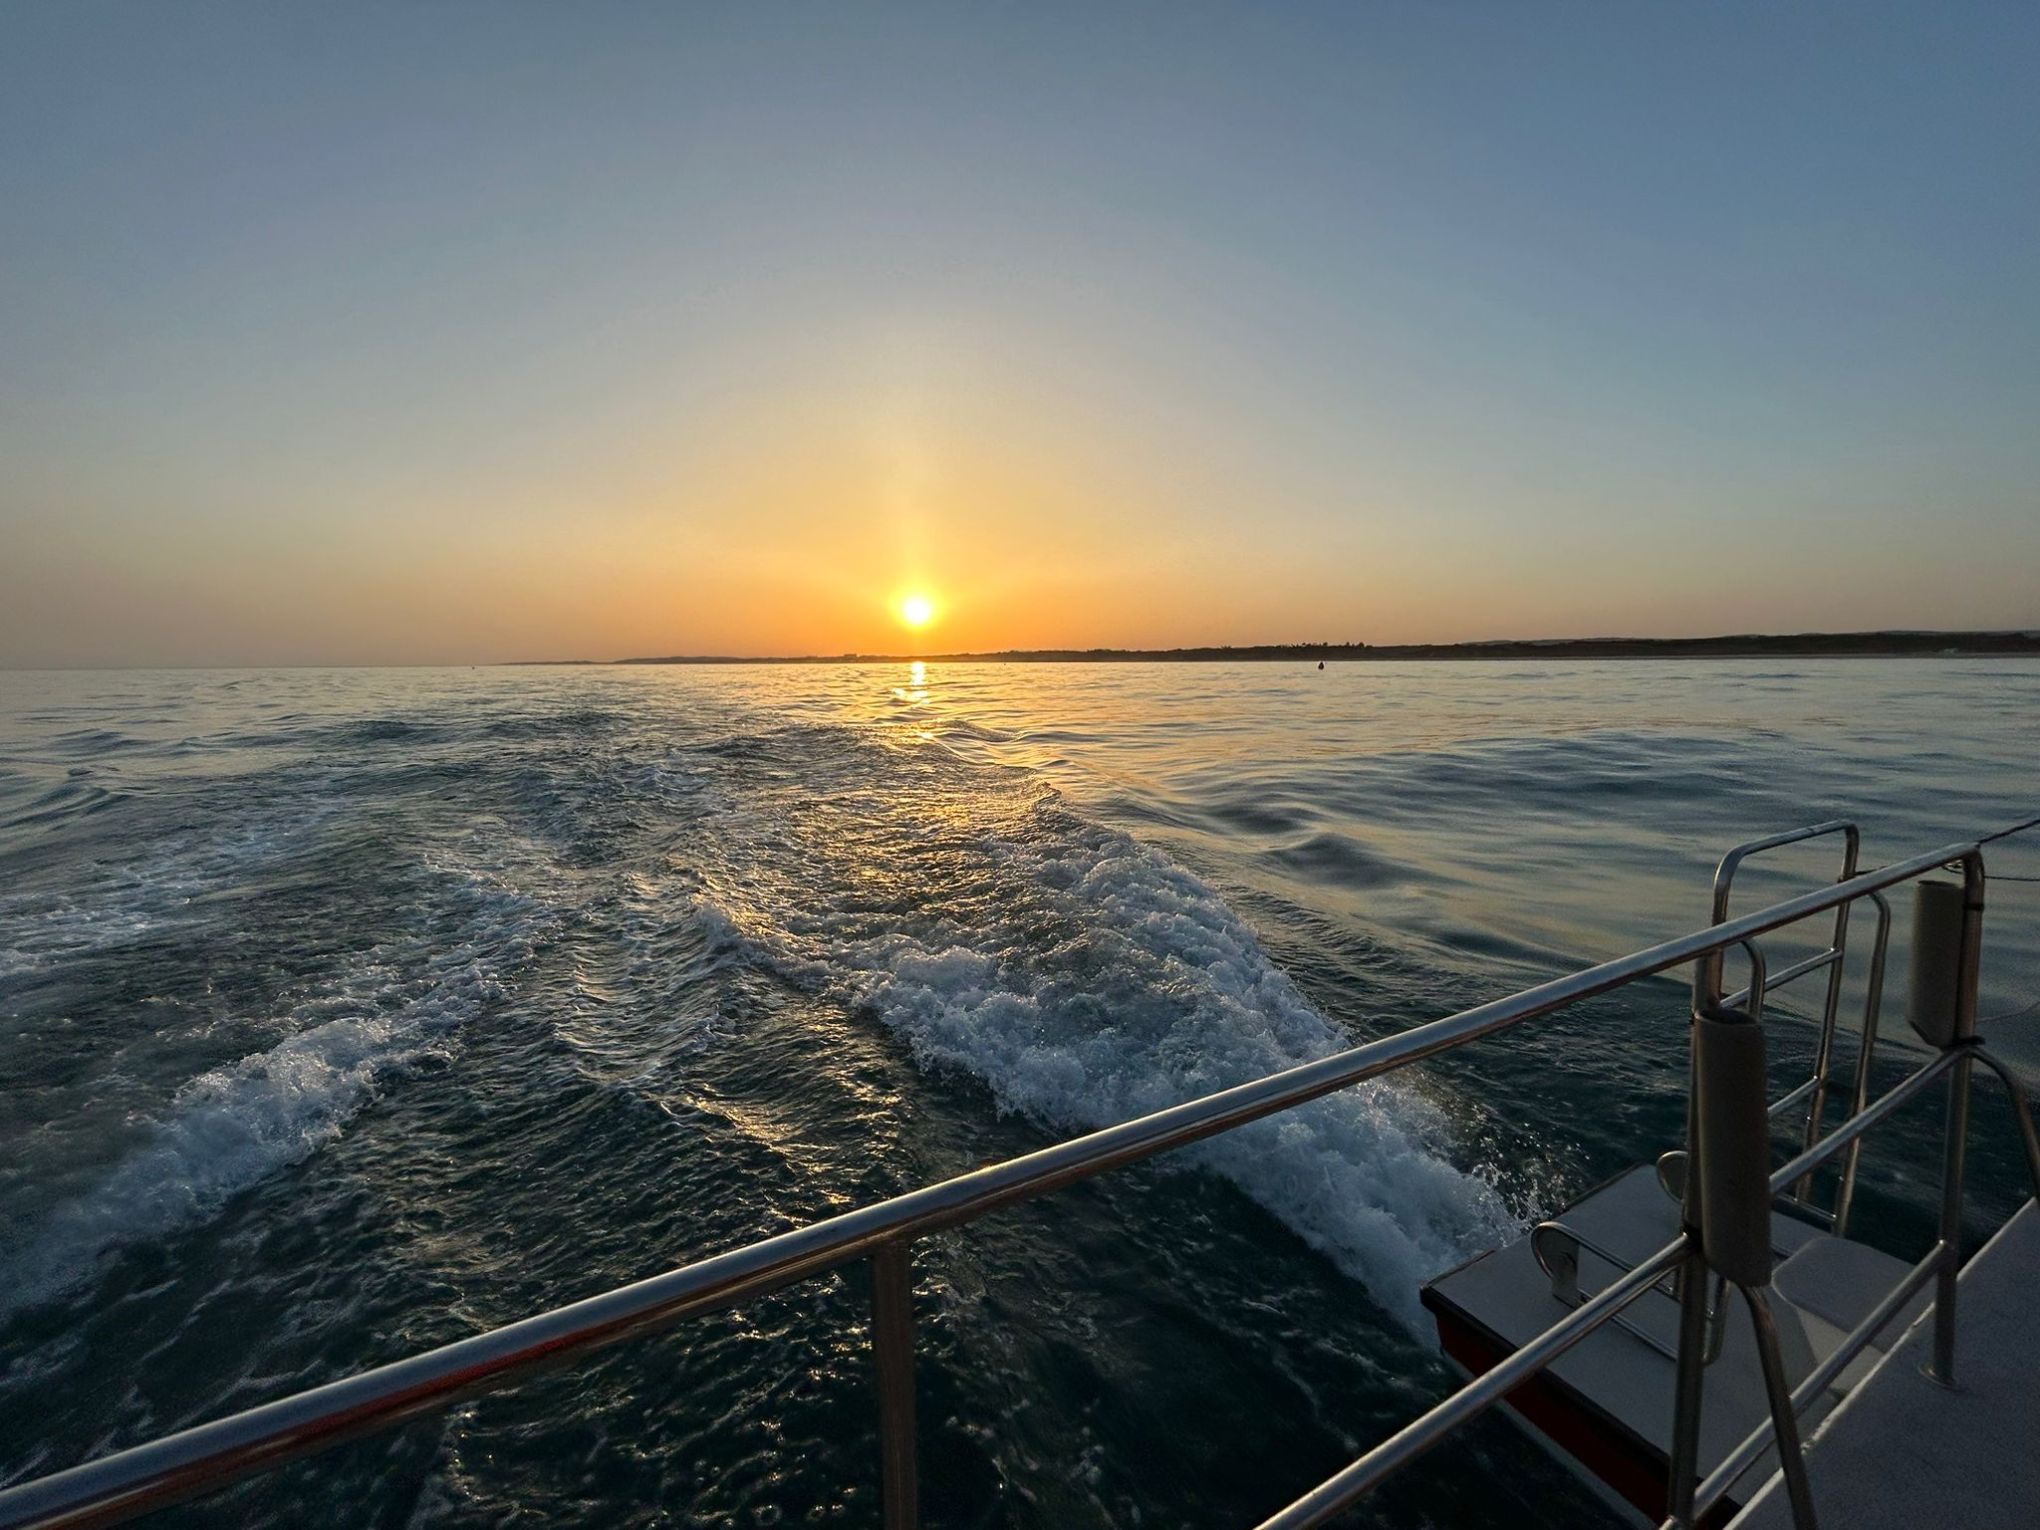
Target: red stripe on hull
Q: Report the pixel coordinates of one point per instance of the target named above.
(1632, 1470)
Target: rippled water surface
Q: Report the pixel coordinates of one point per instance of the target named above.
(345, 1013)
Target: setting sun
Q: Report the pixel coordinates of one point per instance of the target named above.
(917, 610)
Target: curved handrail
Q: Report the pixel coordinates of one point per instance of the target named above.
(1707, 973)
(1544, 1232)
(1724, 873)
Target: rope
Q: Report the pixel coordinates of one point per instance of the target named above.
(2017, 828)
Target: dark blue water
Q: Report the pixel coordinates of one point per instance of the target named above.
(346, 1013)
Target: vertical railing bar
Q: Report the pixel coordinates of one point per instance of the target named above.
(1683, 1467)
(1823, 1056)
(1784, 1420)
(1343, 1489)
(1760, 982)
(1943, 1367)
(1956, 1146)
(892, 1346)
(1866, 1050)
(1817, 1381)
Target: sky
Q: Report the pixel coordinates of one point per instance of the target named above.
(452, 333)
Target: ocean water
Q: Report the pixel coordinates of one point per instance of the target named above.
(343, 1013)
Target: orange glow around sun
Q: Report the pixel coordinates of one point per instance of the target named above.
(917, 610)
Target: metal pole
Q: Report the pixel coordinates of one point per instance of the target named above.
(1791, 1460)
(1873, 1001)
(1852, 1130)
(1955, 1148)
(1338, 1493)
(1943, 1369)
(1824, 1051)
(892, 1347)
(1682, 1470)
(1682, 1466)
(1817, 1381)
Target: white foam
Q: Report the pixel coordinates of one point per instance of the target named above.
(1100, 981)
(232, 1126)
(227, 1129)
(47, 931)
(120, 903)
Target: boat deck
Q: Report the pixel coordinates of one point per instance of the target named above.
(1905, 1452)
(1608, 1401)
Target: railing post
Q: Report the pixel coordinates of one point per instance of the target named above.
(1683, 1467)
(1954, 1151)
(1784, 1420)
(1824, 1049)
(1866, 1052)
(1958, 1014)
(892, 1346)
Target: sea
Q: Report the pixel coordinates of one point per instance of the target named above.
(344, 1013)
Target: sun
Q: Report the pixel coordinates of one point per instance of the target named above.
(917, 610)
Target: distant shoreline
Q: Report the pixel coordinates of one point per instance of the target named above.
(1847, 645)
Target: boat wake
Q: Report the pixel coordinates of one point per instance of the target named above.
(1086, 979)
(233, 1125)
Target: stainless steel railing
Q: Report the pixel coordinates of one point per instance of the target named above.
(1689, 1499)
(1813, 1091)
(209, 1456)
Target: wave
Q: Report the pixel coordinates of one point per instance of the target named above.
(61, 803)
(229, 1128)
(1341, 860)
(120, 901)
(44, 931)
(1086, 978)
(233, 1126)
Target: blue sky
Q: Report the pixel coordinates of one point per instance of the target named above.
(453, 332)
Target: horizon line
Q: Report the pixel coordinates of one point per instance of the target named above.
(1881, 642)
(1888, 642)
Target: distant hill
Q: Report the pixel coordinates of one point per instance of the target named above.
(1866, 645)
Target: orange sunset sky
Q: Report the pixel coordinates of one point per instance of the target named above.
(337, 338)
